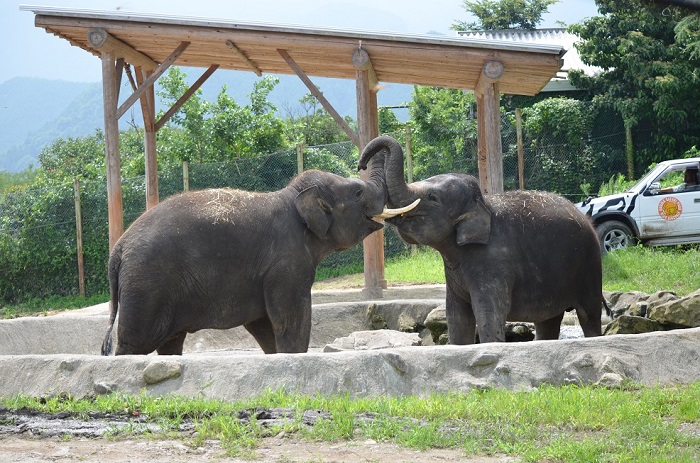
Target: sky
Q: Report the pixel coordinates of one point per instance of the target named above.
(28, 51)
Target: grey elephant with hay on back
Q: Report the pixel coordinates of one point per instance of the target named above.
(516, 256)
(222, 258)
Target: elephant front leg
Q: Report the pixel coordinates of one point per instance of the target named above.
(490, 312)
(461, 324)
(290, 318)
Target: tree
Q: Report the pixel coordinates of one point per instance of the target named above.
(444, 134)
(504, 14)
(649, 78)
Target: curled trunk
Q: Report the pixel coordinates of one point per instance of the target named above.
(399, 194)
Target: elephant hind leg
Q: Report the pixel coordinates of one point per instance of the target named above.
(548, 329)
(264, 334)
(173, 346)
(591, 325)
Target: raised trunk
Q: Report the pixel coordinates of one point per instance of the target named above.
(399, 193)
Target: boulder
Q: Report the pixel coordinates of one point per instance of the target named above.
(375, 339)
(681, 312)
(629, 324)
(436, 322)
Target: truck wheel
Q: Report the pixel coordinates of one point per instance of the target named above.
(613, 234)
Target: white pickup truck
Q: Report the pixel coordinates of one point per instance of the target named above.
(655, 211)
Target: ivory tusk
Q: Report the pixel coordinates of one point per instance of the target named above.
(389, 213)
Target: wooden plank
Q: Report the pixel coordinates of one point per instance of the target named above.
(319, 96)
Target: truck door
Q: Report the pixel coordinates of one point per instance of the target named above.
(669, 214)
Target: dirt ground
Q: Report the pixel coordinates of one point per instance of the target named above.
(29, 436)
(28, 449)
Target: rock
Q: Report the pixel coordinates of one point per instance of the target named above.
(104, 388)
(371, 340)
(629, 324)
(520, 332)
(436, 322)
(160, 371)
(683, 312)
(408, 324)
(620, 303)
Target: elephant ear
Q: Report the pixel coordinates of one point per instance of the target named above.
(474, 226)
(314, 211)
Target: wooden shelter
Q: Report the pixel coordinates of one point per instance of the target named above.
(152, 43)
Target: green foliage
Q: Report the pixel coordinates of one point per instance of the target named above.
(559, 133)
(444, 135)
(10, 181)
(618, 183)
(504, 14)
(648, 77)
(688, 34)
(315, 126)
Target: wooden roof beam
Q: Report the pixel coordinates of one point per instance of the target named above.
(236, 51)
(319, 96)
(186, 96)
(152, 78)
(101, 40)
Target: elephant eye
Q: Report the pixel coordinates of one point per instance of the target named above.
(433, 197)
(358, 195)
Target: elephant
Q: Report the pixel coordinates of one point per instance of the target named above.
(221, 258)
(524, 256)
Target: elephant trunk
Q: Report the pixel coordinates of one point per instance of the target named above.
(377, 185)
(398, 191)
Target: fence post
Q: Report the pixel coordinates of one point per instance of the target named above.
(629, 151)
(300, 158)
(409, 155)
(79, 236)
(185, 176)
(521, 154)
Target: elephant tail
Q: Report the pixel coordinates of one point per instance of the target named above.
(607, 309)
(115, 261)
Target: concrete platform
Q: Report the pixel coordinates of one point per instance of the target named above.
(41, 356)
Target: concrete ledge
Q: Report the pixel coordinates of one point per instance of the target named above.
(663, 358)
(82, 331)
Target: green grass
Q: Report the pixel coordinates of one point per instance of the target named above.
(649, 270)
(556, 424)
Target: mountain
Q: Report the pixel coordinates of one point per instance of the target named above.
(34, 112)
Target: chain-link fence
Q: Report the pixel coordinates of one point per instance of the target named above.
(39, 242)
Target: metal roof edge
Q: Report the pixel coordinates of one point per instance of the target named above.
(290, 28)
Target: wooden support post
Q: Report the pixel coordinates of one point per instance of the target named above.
(79, 237)
(110, 93)
(148, 109)
(368, 128)
(490, 149)
(300, 158)
(519, 141)
(185, 176)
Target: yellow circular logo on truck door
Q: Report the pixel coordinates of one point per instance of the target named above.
(670, 208)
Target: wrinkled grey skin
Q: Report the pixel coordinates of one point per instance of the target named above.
(517, 256)
(222, 258)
